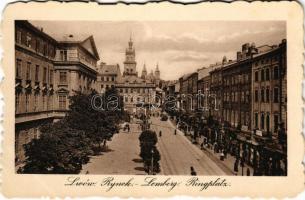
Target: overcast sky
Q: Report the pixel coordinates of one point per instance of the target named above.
(178, 47)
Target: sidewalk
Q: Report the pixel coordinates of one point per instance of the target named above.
(122, 157)
(227, 164)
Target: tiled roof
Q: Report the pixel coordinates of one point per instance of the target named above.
(133, 79)
(110, 69)
(71, 38)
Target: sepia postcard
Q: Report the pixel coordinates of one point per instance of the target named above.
(153, 100)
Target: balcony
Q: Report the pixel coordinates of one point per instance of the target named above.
(32, 116)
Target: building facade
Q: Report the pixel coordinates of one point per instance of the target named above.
(34, 89)
(269, 90)
(204, 90)
(75, 64)
(47, 71)
(108, 76)
(188, 92)
(139, 93)
(216, 93)
(237, 94)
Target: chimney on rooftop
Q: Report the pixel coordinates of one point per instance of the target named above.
(245, 47)
(224, 60)
(238, 55)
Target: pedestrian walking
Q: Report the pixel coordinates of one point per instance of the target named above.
(160, 133)
(215, 147)
(175, 132)
(193, 172)
(201, 146)
(104, 143)
(248, 172)
(87, 172)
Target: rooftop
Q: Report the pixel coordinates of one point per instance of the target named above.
(110, 69)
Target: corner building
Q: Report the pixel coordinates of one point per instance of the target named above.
(269, 90)
(75, 68)
(47, 71)
(34, 83)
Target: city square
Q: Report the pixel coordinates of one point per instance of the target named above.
(198, 106)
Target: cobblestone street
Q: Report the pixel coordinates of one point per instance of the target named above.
(178, 154)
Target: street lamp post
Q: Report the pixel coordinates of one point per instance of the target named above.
(152, 162)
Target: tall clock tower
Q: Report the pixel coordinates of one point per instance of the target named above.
(130, 64)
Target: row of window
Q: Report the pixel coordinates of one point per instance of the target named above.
(43, 47)
(129, 70)
(46, 75)
(107, 78)
(138, 99)
(265, 95)
(132, 90)
(35, 43)
(32, 101)
(266, 60)
(265, 121)
(63, 56)
(265, 74)
(107, 86)
(63, 78)
(237, 79)
(234, 96)
(233, 117)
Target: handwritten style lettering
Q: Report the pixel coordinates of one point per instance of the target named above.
(195, 182)
(154, 182)
(110, 183)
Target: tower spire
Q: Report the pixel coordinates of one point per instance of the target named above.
(144, 72)
(130, 39)
(130, 60)
(130, 43)
(157, 72)
(144, 67)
